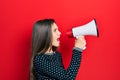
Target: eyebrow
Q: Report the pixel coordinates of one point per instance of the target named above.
(56, 28)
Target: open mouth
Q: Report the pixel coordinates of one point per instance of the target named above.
(58, 39)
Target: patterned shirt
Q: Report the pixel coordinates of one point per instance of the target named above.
(50, 67)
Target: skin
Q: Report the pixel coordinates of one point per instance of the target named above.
(80, 42)
(56, 35)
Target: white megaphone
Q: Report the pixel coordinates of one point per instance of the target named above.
(86, 29)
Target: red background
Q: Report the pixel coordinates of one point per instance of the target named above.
(100, 60)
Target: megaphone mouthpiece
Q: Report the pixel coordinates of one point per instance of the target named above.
(70, 34)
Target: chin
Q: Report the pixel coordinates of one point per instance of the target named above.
(56, 45)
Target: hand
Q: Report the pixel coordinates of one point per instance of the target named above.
(80, 42)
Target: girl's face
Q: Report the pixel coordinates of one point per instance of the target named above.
(55, 35)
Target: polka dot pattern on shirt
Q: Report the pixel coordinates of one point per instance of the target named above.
(50, 67)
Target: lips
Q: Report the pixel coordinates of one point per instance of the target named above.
(58, 39)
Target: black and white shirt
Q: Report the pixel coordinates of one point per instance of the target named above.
(50, 67)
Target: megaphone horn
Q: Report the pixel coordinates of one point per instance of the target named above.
(90, 28)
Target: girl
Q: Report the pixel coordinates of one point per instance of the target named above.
(46, 62)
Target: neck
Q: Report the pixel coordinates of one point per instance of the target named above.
(49, 50)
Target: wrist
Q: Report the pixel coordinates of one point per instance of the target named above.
(79, 49)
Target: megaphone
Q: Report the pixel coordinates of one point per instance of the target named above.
(87, 29)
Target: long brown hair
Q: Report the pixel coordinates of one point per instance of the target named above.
(41, 40)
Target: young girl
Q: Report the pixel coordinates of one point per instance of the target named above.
(46, 62)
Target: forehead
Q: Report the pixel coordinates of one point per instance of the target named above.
(54, 26)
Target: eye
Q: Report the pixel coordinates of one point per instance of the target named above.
(55, 30)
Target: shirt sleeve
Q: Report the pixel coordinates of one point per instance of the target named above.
(60, 60)
(54, 71)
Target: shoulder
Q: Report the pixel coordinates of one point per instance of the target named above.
(38, 58)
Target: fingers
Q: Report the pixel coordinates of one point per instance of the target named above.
(84, 47)
(82, 39)
(81, 42)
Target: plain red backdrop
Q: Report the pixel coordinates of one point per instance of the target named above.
(100, 60)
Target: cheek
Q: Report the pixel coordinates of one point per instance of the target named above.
(53, 38)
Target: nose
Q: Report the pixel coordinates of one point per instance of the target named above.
(59, 32)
